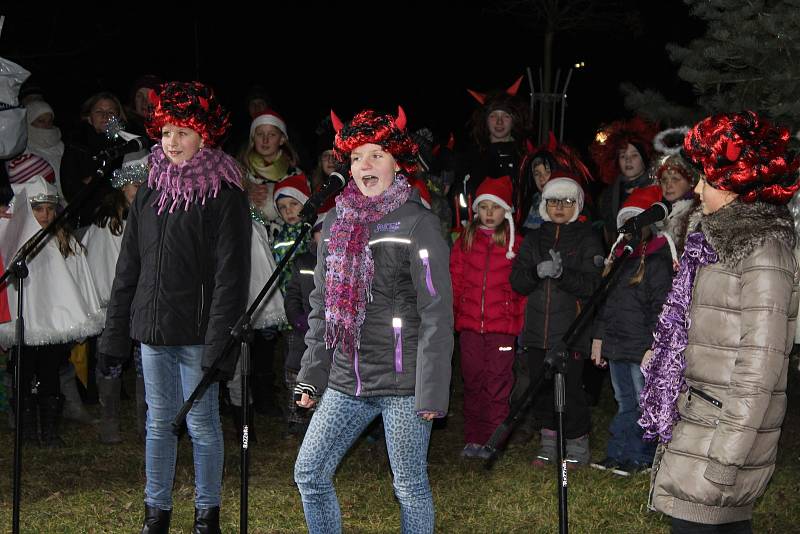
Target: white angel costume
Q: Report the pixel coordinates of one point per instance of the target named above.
(262, 265)
(102, 251)
(102, 246)
(60, 301)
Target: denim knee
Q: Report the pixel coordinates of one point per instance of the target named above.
(311, 481)
(413, 490)
(158, 425)
(204, 429)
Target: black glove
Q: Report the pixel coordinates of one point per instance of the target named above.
(227, 365)
(343, 168)
(301, 324)
(110, 365)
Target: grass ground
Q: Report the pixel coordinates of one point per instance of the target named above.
(92, 488)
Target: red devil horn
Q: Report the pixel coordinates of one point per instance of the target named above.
(732, 151)
(514, 87)
(480, 97)
(551, 142)
(451, 142)
(400, 121)
(203, 102)
(337, 122)
(153, 97)
(529, 148)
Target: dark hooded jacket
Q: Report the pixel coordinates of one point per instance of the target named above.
(626, 320)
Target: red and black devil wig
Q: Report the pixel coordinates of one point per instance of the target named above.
(746, 154)
(188, 105)
(388, 132)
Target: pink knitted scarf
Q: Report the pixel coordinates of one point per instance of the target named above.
(192, 181)
(350, 268)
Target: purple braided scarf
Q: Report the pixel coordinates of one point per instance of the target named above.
(664, 375)
(192, 181)
(350, 268)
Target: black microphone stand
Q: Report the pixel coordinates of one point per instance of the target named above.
(242, 334)
(18, 270)
(555, 366)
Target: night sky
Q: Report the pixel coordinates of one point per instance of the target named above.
(424, 56)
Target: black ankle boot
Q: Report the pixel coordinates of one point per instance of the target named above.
(156, 521)
(30, 420)
(206, 521)
(50, 419)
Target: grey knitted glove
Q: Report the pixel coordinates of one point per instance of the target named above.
(550, 268)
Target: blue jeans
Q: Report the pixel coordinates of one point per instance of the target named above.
(338, 421)
(625, 443)
(170, 376)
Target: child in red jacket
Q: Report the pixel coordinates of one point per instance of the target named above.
(488, 313)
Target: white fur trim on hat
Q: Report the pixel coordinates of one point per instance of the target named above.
(561, 188)
(507, 216)
(676, 133)
(293, 192)
(494, 198)
(626, 213)
(268, 118)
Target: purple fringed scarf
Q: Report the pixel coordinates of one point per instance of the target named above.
(664, 378)
(348, 280)
(191, 181)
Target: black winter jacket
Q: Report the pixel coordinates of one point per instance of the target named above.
(77, 164)
(297, 306)
(628, 317)
(182, 278)
(553, 304)
(402, 288)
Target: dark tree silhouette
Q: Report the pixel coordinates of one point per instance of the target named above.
(748, 58)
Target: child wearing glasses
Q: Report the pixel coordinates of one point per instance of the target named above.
(558, 268)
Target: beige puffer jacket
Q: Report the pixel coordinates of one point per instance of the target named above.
(743, 313)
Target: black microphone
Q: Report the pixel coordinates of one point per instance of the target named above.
(109, 154)
(653, 214)
(334, 183)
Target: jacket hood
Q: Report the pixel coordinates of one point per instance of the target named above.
(740, 227)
